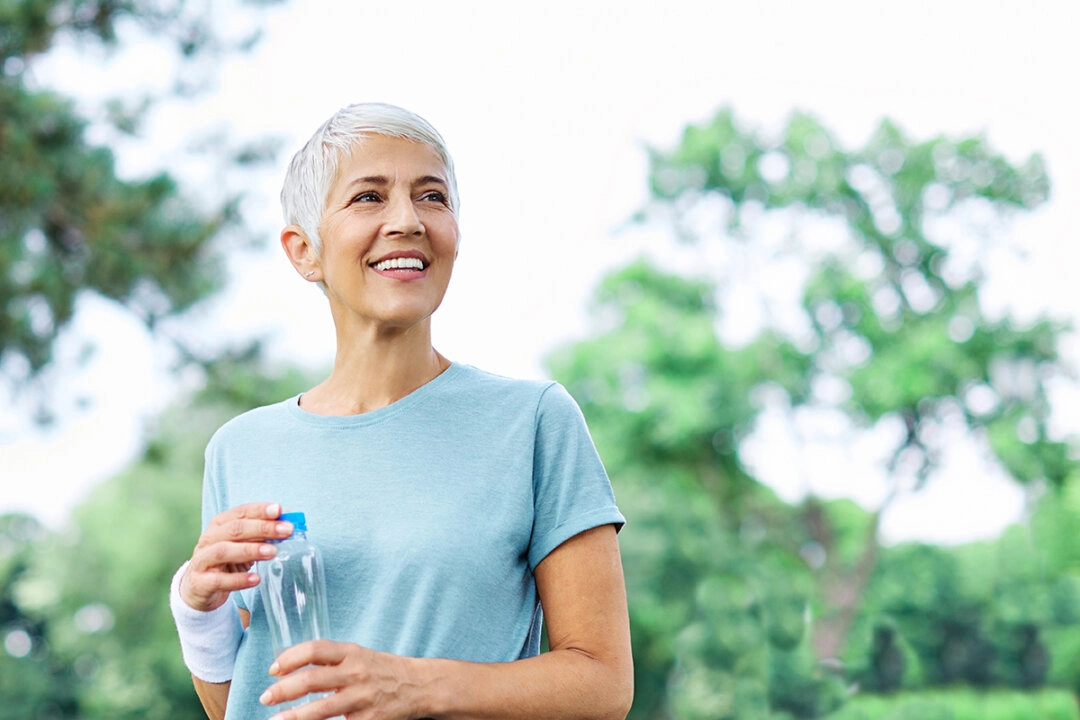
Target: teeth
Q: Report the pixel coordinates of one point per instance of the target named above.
(408, 263)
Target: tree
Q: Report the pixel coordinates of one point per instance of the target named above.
(68, 223)
(896, 334)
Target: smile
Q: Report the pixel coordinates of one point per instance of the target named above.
(402, 263)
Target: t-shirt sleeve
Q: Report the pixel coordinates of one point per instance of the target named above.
(213, 491)
(571, 490)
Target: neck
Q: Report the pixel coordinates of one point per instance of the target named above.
(374, 373)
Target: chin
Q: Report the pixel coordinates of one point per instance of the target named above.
(406, 319)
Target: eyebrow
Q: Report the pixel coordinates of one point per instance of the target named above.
(383, 180)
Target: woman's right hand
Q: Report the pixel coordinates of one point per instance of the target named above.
(226, 552)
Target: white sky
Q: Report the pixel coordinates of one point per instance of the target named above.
(546, 109)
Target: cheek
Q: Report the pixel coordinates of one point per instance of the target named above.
(444, 233)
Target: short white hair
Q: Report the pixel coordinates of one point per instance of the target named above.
(312, 170)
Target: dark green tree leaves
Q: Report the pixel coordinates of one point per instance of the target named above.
(69, 223)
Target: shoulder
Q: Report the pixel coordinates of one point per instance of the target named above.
(547, 401)
(255, 422)
(499, 388)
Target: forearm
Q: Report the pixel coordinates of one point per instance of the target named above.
(208, 647)
(213, 697)
(589, 671)
(562, 683)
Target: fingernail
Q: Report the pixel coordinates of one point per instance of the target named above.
(265, 698)
(273, 510)
(267, 550)
(274, 667)
(284, 528)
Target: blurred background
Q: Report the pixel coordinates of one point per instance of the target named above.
(807, 269)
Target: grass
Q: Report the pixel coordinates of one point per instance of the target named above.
(962, 704)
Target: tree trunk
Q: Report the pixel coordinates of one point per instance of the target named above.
(842, 588)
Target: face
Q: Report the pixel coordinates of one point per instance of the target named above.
(389, 237)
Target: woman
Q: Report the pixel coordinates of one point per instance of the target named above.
(450, 504)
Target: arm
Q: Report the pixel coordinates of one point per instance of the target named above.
(588, 672)
(221, 564)
(215, 696)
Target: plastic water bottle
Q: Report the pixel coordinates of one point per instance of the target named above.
(293, 590)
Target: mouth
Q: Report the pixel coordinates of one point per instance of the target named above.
(400, 264)
(407, 262)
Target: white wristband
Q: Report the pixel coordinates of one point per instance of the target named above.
(210, 640)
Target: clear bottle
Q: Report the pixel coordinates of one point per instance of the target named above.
(293, 590)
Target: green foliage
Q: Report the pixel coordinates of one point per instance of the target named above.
(985, 614)
(68, 223)
(920, 589)
(1057, 557)
(659, 389)
(718, 592)
(101, 583)
(83, 617)
(723, 577)
(1052, 529)
(95, 594)
(811, 170)
(30, 678)
(31, 27)
(962, 704)
(895, 310)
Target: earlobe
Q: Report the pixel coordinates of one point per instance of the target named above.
(300, 251)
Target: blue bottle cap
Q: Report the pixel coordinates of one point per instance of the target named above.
(299, 522)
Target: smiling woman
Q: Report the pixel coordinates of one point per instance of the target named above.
(388, 239)
(458, 511)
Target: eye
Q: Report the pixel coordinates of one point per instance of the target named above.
(366, 197)
(434, 196)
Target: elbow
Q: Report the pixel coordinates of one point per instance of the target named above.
(625, 701)
(620, 697)
(619, 708)
(608, 695)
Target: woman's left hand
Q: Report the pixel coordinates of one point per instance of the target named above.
(364, 683)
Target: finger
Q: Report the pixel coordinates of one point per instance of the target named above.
(231, 555)
(332, 705)
(240, 530)
(252, 511)
(248, 511)
(311, 679)
(313, 652)
(329, 706)
(208, 590)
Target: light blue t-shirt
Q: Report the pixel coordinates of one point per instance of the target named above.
(431, 513)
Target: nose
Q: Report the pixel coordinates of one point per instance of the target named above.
(402, 218)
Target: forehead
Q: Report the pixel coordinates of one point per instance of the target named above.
(392, 158)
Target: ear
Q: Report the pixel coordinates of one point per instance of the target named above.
(301, 252)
